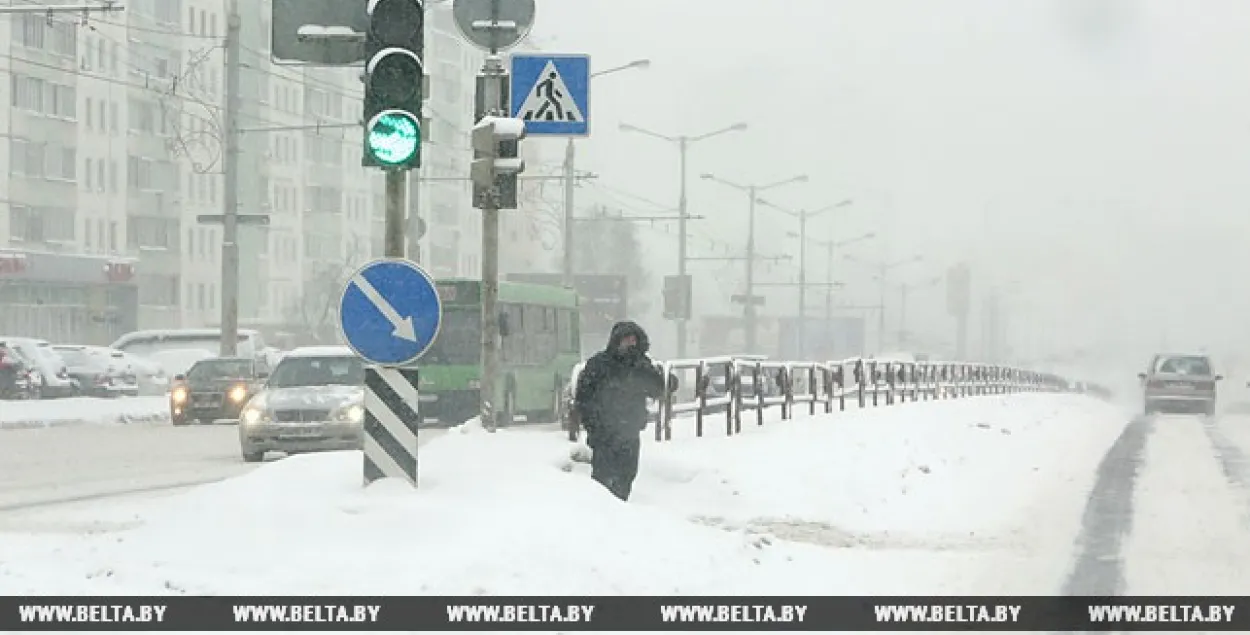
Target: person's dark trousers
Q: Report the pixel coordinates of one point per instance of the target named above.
(614, 463)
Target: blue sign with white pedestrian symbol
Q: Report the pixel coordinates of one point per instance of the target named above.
(551, 93)
(390, 312)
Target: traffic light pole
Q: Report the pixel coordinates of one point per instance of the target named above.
(396, 182)
(230, 197)
(492, 94)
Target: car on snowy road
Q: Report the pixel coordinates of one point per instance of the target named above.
(214, 390)
(1181, 384)
(313, 401)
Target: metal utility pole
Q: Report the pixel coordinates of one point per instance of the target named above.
(750, 302)
(804, 216)
(683, 144)
(831, 246)
(230, 198)
(883, 271)
(570, 180)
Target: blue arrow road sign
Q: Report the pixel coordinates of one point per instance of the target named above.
(551, 93)
(390, 312)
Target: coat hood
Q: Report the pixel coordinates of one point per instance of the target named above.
(622, 329)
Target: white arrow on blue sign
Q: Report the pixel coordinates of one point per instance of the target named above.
(390, 312)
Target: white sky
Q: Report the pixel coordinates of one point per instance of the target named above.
(1095, 151)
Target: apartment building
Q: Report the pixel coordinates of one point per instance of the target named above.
(115, 145)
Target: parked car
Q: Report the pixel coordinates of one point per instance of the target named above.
(1180, 384)
(314, 401)
(19, 379)
(151, 377)
(55, 381)
(98, 371)
(214, 390)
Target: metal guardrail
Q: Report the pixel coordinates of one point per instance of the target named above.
(864, 382)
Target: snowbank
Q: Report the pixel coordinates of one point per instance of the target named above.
(78, 411)
(509, 513)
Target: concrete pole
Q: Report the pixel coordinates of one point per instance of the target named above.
(570, 215)
(230, 198)
(802, 281)
(683, 144)
(749, 309)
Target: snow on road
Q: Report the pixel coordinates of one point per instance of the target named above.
(919, 498)
(1189, 534)
(79, 411)
(43, 466)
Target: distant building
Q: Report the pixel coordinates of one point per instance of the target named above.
(112, 145)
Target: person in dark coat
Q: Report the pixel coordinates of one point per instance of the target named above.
(611, 401)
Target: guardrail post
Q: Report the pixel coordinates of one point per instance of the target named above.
(861, 379)
(758, 393)
(813, 389)
(701, 381)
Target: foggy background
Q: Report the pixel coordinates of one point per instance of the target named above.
(1092, 152)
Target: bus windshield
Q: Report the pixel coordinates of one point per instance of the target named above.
(459, 338)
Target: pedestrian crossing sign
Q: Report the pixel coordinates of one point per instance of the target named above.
(551, 94)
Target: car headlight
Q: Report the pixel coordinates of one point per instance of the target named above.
(179, 394)
(256, 411)
(238, 393)
(354, 413)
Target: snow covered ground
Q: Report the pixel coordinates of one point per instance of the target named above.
(77, 411)
(966, 496)
(1188, 535)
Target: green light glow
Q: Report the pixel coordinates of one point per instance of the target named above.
(394, 138)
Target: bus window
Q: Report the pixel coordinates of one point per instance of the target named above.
(540, 342)
(567, 327)
(514, 345)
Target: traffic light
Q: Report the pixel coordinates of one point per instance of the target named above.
(394, 72)
(496, 161)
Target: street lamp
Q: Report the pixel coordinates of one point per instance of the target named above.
(683, 143)
(753, 192)
(804, 215)
(570, 178)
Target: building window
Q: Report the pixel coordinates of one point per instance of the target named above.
(42, 224)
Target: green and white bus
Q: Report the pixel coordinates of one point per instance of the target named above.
(539, 324)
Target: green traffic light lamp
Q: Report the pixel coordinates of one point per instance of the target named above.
(394, 137)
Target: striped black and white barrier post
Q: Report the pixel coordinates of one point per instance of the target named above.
(391, 422)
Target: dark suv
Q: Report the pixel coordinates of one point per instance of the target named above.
(1180, 384)
(214, 389)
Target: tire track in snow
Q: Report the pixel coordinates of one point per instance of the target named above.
(1108, 516)
(1233, 461)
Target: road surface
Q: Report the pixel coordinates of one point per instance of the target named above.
(1170, 511)
(65, 466)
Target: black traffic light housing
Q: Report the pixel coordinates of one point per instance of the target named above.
(394, 70)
